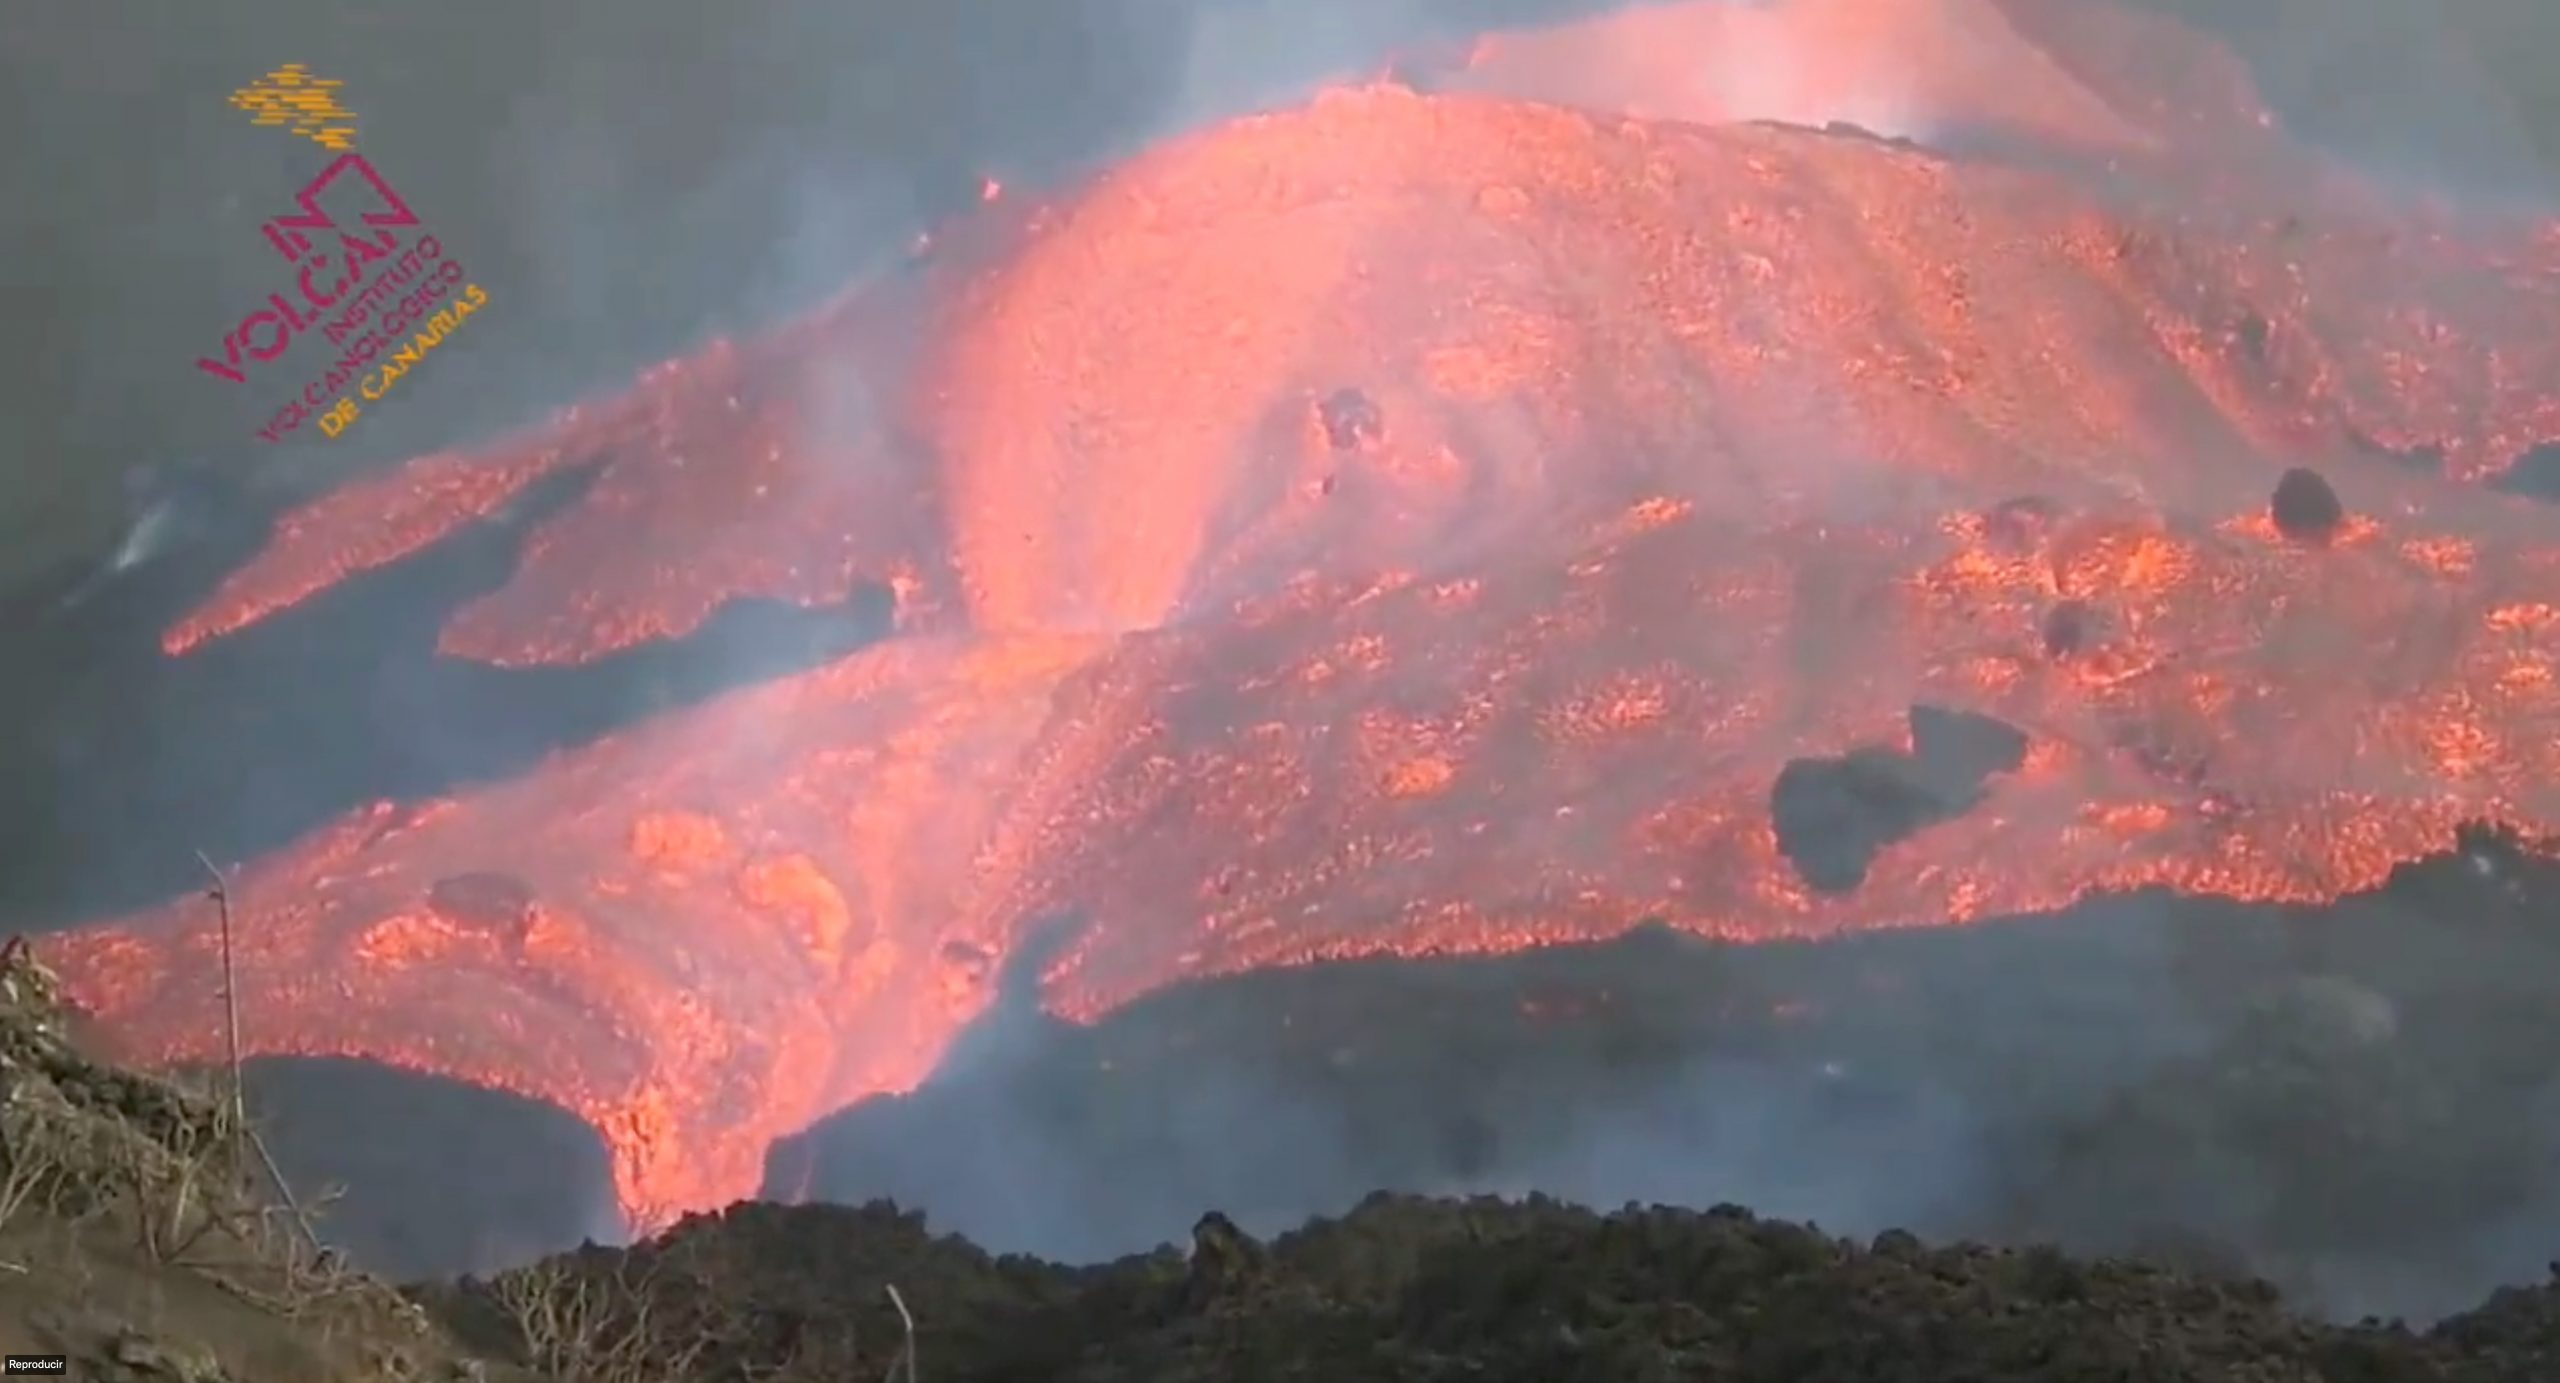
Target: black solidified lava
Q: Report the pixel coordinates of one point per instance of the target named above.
(1352, 420)
(2021, 523)
(1965, 745)
(2305, 508)
(2535, 475)
(2423, 456)
(486, 899)
(2068, 628)
(1850, 129)
(2251, 336)
(1833, 815)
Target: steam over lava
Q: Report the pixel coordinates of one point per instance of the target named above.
(1435, 522)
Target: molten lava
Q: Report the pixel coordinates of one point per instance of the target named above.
(1433, 522)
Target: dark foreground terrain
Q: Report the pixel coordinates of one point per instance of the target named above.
(1417, 1289)
(130, 1239)
(2355, 1101)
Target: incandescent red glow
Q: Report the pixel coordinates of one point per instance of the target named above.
(1416, 523)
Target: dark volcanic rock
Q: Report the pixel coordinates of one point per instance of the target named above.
(497, 902)
(1960, 749)
(2069, 627)
(2534, 475)
(2250, 335)
(1351, 419)
(1831, 816)
(2023, 523)
(2305, 508)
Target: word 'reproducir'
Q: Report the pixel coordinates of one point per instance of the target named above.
(303, 104)
(366, 273)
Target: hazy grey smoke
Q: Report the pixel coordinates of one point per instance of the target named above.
(2402, 88)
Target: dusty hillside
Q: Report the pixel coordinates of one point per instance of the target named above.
(130, 1238)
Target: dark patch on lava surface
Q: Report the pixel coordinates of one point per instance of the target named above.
(2424, 458)
(491, 900)
(2305, 506)
(2069, 627)
(1352, 420)
(2534, 475)
(1832, 815)
(2023, 523)
(2251, 336)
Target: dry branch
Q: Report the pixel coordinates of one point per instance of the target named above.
(588, 1327)
(903, 1368)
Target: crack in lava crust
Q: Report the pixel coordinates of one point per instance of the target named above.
(1429, 523)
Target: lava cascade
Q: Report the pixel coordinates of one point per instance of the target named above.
(1412, 523)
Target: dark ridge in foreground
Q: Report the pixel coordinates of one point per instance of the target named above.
(113, 1164)
(1405, 1288)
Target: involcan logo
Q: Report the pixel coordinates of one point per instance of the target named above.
(17, 1365)
(366, 274)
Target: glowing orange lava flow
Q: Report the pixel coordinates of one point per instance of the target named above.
(1415, 523)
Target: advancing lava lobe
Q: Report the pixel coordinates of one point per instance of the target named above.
(1436, 522)
(727, 474)
(693, 936)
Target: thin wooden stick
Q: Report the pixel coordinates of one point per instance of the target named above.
(243, 1138)
(221, 895)
(275, 1177)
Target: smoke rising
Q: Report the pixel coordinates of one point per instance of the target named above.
(2445, 98)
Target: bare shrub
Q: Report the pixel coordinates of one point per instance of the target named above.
(180, 1186)
(40, 1156)
(31, 1167)
(582, 1324)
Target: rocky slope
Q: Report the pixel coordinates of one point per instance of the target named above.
(133, 1239)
